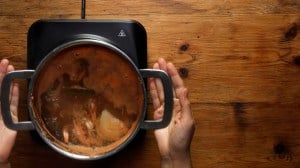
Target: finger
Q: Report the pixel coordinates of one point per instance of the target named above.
(3, 68)
(177, 107)
(162, 64)
(154, 94)
(177, 111)
(185, 105)
(9, 69)
(176, 79)
(14, 101)
(14, 96)
(159, 85)
(158, 113)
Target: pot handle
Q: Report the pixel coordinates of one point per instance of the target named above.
(5, 102)
(168, 104)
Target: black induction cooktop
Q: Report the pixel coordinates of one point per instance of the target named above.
(45, 35)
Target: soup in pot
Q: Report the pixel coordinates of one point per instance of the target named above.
(87, 99)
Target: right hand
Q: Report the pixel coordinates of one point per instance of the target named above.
(174, 140)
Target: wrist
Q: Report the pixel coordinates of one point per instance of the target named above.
(179, 160)
(166, 162)
(182, 160)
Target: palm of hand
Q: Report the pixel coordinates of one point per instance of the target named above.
(175, 139)
(6, 141)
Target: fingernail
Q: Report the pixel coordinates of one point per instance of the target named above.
(161, 59)
(4, 61)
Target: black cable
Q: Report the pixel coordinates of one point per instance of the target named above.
(83, 9)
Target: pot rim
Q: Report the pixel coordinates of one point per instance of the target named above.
(80, 40)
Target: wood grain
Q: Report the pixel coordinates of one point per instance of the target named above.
(239, 59)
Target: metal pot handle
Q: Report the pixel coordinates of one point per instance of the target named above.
(5, 103)
(168, 104)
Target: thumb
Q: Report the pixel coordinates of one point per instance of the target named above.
(185, 104)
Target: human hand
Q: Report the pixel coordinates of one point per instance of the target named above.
(7, 136)
(174, 140)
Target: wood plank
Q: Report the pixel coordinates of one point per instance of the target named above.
(56, 8)
(266, 133)
(227, 135)
(239, 59)
(230, 60)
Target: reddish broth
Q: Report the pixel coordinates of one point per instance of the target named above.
(87, 99)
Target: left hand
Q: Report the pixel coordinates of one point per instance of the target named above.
(7, 136)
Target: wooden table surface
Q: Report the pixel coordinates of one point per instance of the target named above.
(239, 59)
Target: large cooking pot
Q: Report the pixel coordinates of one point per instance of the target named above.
(87, 99)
